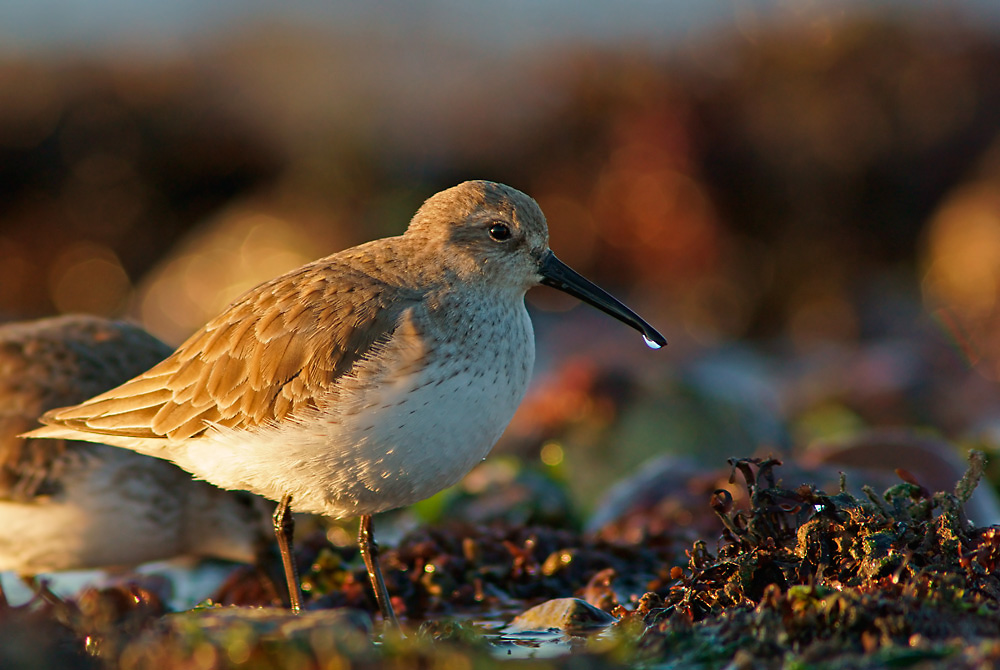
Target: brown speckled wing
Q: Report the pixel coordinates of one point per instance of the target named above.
(275, 351)
(50, 363)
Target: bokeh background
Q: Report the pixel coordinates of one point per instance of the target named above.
(804, 197)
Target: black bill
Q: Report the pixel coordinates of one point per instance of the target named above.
(558, 275)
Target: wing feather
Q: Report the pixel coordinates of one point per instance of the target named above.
(274, 351)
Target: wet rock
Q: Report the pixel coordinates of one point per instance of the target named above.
(505, 490)
(570, 615)
(667, 495)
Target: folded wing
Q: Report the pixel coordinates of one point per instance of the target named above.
(273, 352)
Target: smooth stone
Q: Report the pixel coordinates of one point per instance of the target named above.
(570, 615)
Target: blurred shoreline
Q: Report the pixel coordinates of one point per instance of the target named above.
(64, 25)
(806, 206)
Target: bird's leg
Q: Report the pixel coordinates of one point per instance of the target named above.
(369, 552)
(42, 591)
(65, 612)
(284, 530)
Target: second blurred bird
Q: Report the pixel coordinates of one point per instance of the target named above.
(68, 505)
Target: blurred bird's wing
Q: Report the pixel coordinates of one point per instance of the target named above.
(50, 363)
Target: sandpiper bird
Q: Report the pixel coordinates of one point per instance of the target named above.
(361, 382)
(67, 505)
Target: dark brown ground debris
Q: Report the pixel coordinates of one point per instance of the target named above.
(799, 578)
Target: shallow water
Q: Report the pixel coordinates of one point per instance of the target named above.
(532, 644)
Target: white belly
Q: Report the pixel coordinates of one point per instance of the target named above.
(114, 509)
(385, 439)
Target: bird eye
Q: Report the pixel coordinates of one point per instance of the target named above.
(500, 231)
